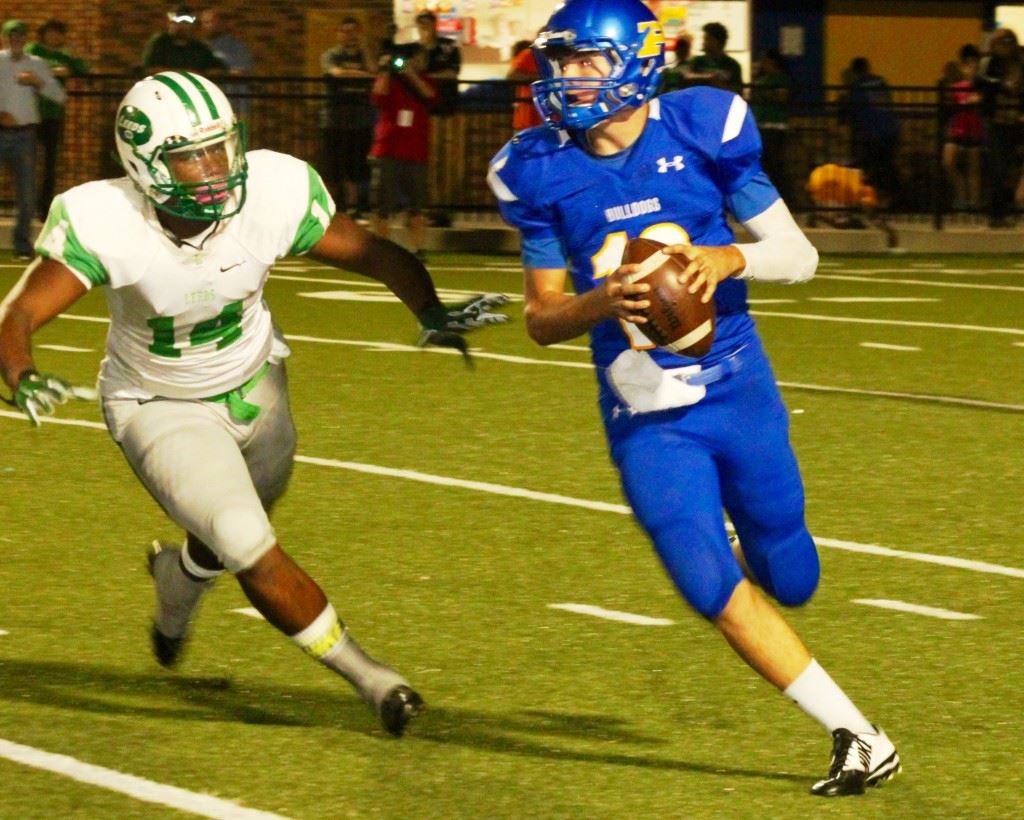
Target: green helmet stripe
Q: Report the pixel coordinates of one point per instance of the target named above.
(210, 104)
(182, 95)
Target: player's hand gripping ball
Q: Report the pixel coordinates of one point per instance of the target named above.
(676, 320)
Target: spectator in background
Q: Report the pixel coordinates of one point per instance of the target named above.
(346, 119)
(715, 67)
(677, 75)
(964, 129)
(523, 70)
(403, 95)
(233, 53)
(50, 47)
(23, 79)
(769, 100)
(177, 49)
(443, 62)
(874, 128)
(1001, 80)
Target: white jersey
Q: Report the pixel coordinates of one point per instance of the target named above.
(186, 322)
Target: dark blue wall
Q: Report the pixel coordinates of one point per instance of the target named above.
(769, 16)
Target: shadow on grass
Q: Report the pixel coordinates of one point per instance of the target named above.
(161, 696)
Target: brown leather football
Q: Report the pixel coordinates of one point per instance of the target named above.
(676, 320)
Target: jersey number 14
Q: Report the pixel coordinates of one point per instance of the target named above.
(224, 329)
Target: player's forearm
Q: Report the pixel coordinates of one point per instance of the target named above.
(400, 271)
(558, 317)
(782, 252)
(15, 345)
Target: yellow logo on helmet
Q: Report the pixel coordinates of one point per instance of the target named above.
(654, 39)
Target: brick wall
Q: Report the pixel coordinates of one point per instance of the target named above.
(110, 34)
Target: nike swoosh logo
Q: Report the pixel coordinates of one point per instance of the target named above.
(229, 267)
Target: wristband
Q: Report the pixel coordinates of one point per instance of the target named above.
(434, 317)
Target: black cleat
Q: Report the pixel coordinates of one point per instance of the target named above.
(398, 707)
(166, 650)
(859, 761)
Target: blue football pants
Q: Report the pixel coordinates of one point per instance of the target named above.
(680, 468)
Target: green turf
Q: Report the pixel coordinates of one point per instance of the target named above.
(535, 712)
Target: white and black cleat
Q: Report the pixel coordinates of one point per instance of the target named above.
(166, 650)
(398, 707)
(859, 761)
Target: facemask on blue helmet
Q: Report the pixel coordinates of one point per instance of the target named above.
(625, 33)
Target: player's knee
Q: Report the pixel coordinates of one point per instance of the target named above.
(240, 535)
(794, 571)
(703, 571)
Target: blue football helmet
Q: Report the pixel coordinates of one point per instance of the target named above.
(625, 32)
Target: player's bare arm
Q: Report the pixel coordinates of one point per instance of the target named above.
(47, 289)
(553, 316)
(347, 245)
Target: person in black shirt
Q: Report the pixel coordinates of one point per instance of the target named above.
(346, 120)
(443, 62)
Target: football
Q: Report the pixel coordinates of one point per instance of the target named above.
(676, 320)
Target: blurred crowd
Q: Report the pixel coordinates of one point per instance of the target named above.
(381, 96)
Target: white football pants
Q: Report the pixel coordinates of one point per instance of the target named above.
(213, 475)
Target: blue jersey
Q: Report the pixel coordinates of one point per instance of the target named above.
(699, 147)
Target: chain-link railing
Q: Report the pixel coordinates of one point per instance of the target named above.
(905, 171)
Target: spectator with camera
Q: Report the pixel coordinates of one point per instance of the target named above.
(403, 95)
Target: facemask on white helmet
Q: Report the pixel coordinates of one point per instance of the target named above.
(181, 145)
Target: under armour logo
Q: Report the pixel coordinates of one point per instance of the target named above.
(676, 162)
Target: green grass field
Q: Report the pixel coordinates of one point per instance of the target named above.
(534, 711)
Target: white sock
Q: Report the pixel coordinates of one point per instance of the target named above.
(327, 640)
(819, 696)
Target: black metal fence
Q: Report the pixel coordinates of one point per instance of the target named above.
(283, 114)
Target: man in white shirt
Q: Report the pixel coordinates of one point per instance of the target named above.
(22, 78)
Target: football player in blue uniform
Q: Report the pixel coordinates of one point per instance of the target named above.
(689, 436)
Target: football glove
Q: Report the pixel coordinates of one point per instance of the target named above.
(39, 394)
(476, 312)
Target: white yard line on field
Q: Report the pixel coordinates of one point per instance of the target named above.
(370, 283)
(924, 282)
(4, 632)
(612, 614)
(929, 398)
(365, 344)
(917, 609)
(883, 346)
(857, 320)
(853, 300)
(599, 506)
(149, 791)
(447, 351)
(66, 348)
(248, 612)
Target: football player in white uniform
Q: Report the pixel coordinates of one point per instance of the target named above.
(193, 384)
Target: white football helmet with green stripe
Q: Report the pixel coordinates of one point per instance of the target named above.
(181, 145)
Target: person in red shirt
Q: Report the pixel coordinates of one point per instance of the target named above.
(523, 69)
(401, 142)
